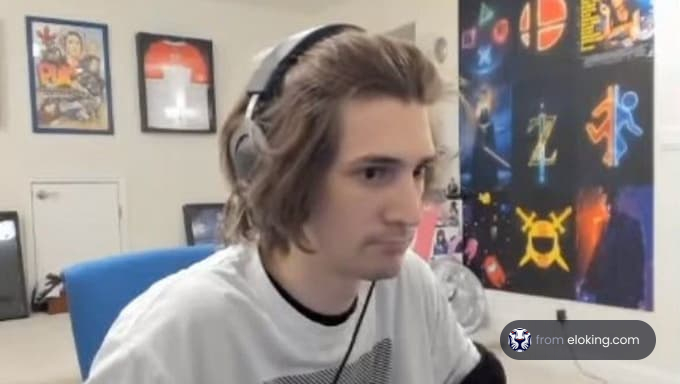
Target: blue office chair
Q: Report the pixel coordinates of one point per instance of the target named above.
(98, 290)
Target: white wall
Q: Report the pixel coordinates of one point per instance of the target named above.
(161, 172)
(439, 17)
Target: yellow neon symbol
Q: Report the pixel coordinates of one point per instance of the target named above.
(542, 230)
(484, 198)
(544, 124)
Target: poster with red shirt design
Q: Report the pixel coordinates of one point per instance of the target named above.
(176, 84)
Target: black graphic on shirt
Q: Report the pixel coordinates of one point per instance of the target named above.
(373, 367)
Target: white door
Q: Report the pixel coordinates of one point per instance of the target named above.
(73, 222)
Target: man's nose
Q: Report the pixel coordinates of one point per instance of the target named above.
(405, 203)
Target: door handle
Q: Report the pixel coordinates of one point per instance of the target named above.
(43, 195)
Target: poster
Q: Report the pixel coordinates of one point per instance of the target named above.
(440, 234)
(557, 148)
(176, 89)
(69, 75)
(616, 30)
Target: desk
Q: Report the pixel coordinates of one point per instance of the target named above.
(38, 350)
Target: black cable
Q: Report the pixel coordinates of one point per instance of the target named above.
(354, 336)
(575, 360)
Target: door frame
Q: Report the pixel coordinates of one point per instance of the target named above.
(122, 202)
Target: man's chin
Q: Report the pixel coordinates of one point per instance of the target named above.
(384, 275)
(387, 271)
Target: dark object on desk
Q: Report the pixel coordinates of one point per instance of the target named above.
(203, 223)
(57, 304)
(489, 370)
(13, 300)
(42, 298)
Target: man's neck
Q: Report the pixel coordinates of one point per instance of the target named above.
(305, 277)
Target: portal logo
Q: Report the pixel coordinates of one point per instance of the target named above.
(519, 340)
(542, 23)
(611, 118)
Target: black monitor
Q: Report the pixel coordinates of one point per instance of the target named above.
(13, 299)
(203, 223)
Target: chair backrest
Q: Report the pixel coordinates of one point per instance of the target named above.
(98, 290)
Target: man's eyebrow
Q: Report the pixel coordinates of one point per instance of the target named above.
(428, 160)
(389, 160)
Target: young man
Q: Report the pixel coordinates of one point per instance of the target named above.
(317, 284)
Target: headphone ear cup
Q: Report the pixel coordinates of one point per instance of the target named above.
(243, 151)
(249, 139)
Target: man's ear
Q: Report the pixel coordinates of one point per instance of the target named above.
(489, 370)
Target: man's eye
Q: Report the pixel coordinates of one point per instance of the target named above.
(373, 173)
(420, 171)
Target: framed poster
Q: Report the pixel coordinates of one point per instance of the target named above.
(70, 79)
(176, 86)
(203, 223)
(13, 300)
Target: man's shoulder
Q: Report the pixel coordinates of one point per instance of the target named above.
(206, 289)
(414, 283)
(221, 274)
(415, 270)
(159, 331)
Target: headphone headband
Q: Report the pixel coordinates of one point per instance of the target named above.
(267, 79)
(265, 85)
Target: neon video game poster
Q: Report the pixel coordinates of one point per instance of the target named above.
(556, 136)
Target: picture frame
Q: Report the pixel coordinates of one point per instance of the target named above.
(203, 223)
(70, 76)
(176, 84)
(13, 296)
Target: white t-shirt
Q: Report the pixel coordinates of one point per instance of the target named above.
(223, 321)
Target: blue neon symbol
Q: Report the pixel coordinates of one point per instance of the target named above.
(624, 120)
